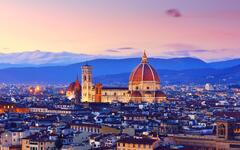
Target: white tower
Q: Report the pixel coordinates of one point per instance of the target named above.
(86, 83)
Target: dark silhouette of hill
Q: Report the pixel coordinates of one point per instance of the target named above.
(116, 72)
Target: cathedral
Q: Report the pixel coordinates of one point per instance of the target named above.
(143, 86)
(74, 91)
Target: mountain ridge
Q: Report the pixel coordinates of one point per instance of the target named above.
(38, 58)
(172, 71)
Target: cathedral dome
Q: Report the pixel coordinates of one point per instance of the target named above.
(144, 72)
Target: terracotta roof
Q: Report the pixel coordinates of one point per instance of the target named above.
(74, 86)
(71, 86)
(77, 86)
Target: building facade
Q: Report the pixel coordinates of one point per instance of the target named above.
(87, 89)
(37, 144)
(12, 139)
(143, 86)
(137, 144)
(227, 138)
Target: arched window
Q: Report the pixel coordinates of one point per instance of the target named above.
(222, 130)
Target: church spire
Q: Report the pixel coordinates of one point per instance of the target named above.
(77, 77)
(77, 81)
(144, 58)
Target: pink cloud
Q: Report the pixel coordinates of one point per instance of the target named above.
(173, 13)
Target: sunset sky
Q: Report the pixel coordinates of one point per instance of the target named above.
(208, 29)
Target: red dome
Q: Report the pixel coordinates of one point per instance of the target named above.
(144, 72)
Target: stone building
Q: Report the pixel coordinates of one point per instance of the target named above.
(227, 137)
(143, 86)
(131, 143)
(74, 92)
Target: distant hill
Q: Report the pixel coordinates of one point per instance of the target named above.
(191, 76)
(116, 72)
(225, 64)
(38, 58)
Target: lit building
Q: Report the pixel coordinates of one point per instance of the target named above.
(12, 107)
(144, 86)
(87, 89)
(226, 138)
(35, 90)
(74, 92)
(144, 83)
(137, 143)
(12, 139)
(34, 143)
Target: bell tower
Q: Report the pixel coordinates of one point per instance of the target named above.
(86, 83)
